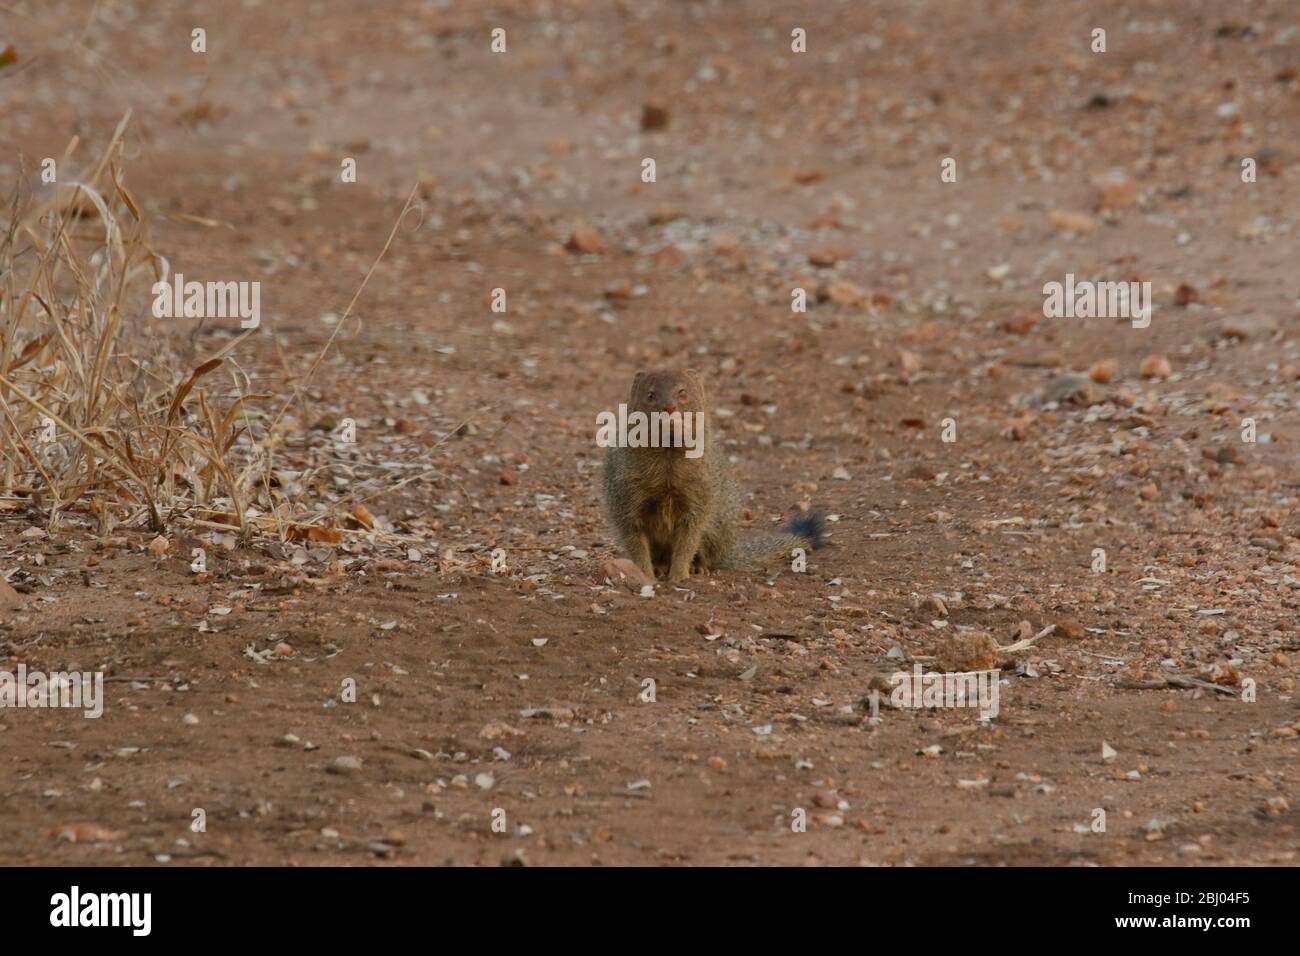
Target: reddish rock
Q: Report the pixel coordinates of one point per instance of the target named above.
(621, 570)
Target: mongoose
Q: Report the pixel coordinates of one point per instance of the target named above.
(673, 513)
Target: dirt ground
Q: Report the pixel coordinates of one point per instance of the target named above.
(1164, 693)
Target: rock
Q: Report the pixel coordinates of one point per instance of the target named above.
(498, 730)
(585, 239)
(1048, 360)
(1070, 629)
(619, 290)
(1017, 429)
(1251, 327)
(968, 652)
(1223, 393)
(1021, 324)
(1224, 455)
(653, 117)
(159, 546)
(1225, 675)
(1155, 366)
(661, 215)
(1276, 805)
(622, 571)
(1068, 220)
(548, 713)
(933, 608)
(9, 598)
(1107, 752)
(725, 244)
(1071, 390)
(909, 365)
(826, 257)
(1114, 191)
(345, 766)
(844, 293)
(1185, 295)
(1154, 828)
(1102, 372)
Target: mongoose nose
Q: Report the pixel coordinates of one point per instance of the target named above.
(669, 407)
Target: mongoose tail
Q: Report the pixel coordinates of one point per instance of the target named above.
(807, 531)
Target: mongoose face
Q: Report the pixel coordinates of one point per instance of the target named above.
(668, 390)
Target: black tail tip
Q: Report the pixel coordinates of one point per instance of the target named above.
(811, 526)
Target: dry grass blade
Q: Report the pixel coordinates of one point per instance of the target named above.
(89, 405)
(93, 419)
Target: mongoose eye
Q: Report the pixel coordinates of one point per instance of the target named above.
(681, 393)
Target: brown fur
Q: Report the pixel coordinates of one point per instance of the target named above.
(674, 514)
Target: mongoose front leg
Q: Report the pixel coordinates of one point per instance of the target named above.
(638, 552)
(686, 545)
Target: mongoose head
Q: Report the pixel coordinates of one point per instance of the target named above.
(668, 390)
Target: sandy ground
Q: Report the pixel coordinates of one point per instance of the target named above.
(516, 697)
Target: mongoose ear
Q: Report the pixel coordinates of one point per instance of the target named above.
(634, 393)
(696, 380)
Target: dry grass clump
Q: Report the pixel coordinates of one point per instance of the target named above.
(95, 418)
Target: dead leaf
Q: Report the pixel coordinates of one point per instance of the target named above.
(85, 833)
(363, 517)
